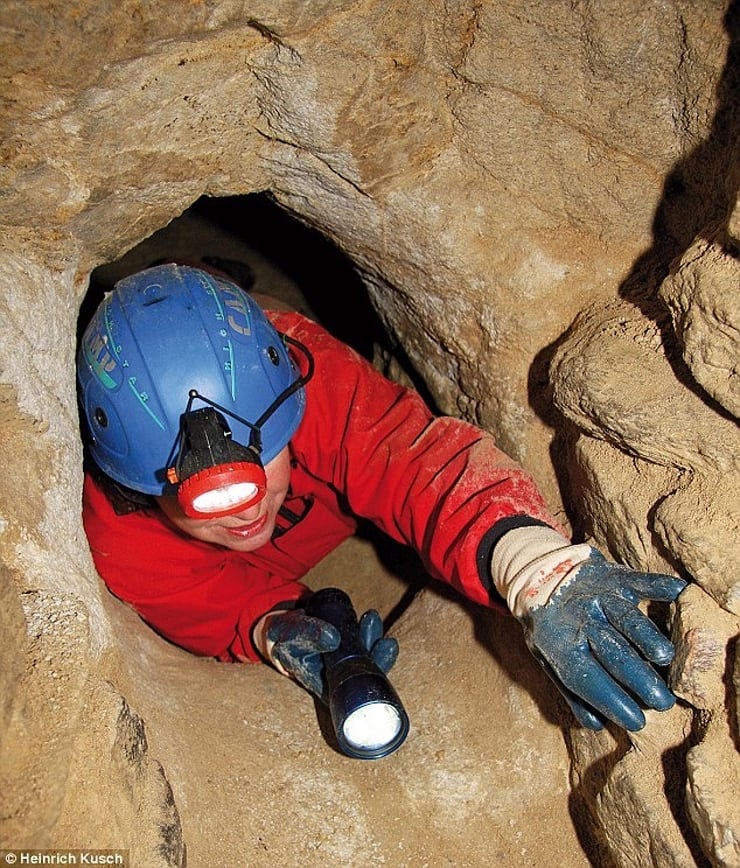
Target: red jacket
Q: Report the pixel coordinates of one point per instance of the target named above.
(365, 447)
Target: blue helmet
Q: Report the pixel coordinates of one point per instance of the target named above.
(159, 338)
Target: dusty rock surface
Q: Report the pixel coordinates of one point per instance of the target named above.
(518, 186)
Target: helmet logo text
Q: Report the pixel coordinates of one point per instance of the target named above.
(102, 361)
(238, 314)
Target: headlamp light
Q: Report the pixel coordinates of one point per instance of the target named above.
(222, 490)
(217, 476)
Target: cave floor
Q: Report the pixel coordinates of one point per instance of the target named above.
(482, 778)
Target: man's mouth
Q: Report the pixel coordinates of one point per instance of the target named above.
(245, 531)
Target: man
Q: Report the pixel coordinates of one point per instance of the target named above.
(232, 450)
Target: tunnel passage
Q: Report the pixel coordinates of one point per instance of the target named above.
(191, 739)
(276, 257)
(281, 256)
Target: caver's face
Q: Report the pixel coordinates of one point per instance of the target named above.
(243, 531)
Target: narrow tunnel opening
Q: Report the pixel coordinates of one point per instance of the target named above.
(272, 254)
(263, 245)
(281, 257)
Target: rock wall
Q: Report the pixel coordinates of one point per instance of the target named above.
(540, 200)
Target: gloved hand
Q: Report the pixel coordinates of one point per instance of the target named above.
(382, 650)
(581, 621)
(294, 642)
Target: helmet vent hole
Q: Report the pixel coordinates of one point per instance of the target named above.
(273, 356)
(100, 417)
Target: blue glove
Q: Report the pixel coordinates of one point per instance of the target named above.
(296, 643)
(383, 651)
(589, 636)
(298, 640)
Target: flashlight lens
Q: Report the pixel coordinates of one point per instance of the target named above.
(372, 726)
(224, 497)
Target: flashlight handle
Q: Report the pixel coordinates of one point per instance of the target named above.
(335, 606)
(351, 658)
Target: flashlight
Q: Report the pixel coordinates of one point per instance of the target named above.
(217, 476)
(368, 718)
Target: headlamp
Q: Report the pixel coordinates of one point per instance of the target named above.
(368, 718)
(215, 474)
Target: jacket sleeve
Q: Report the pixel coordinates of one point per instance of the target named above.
(437, 484)
(196, 595)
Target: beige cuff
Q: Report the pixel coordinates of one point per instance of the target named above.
(530, 563)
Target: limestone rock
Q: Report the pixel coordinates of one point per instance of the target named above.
(38, 745)
(713, 784)
(132, 807)
(75, 766)
(707, 643)
(637, 778)
(704, 298)
(12, 627)
(614, 378)
(647, 832)
(733, 224)
(700, 523)
(677, 503)
(618, 494)
(704, 639)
